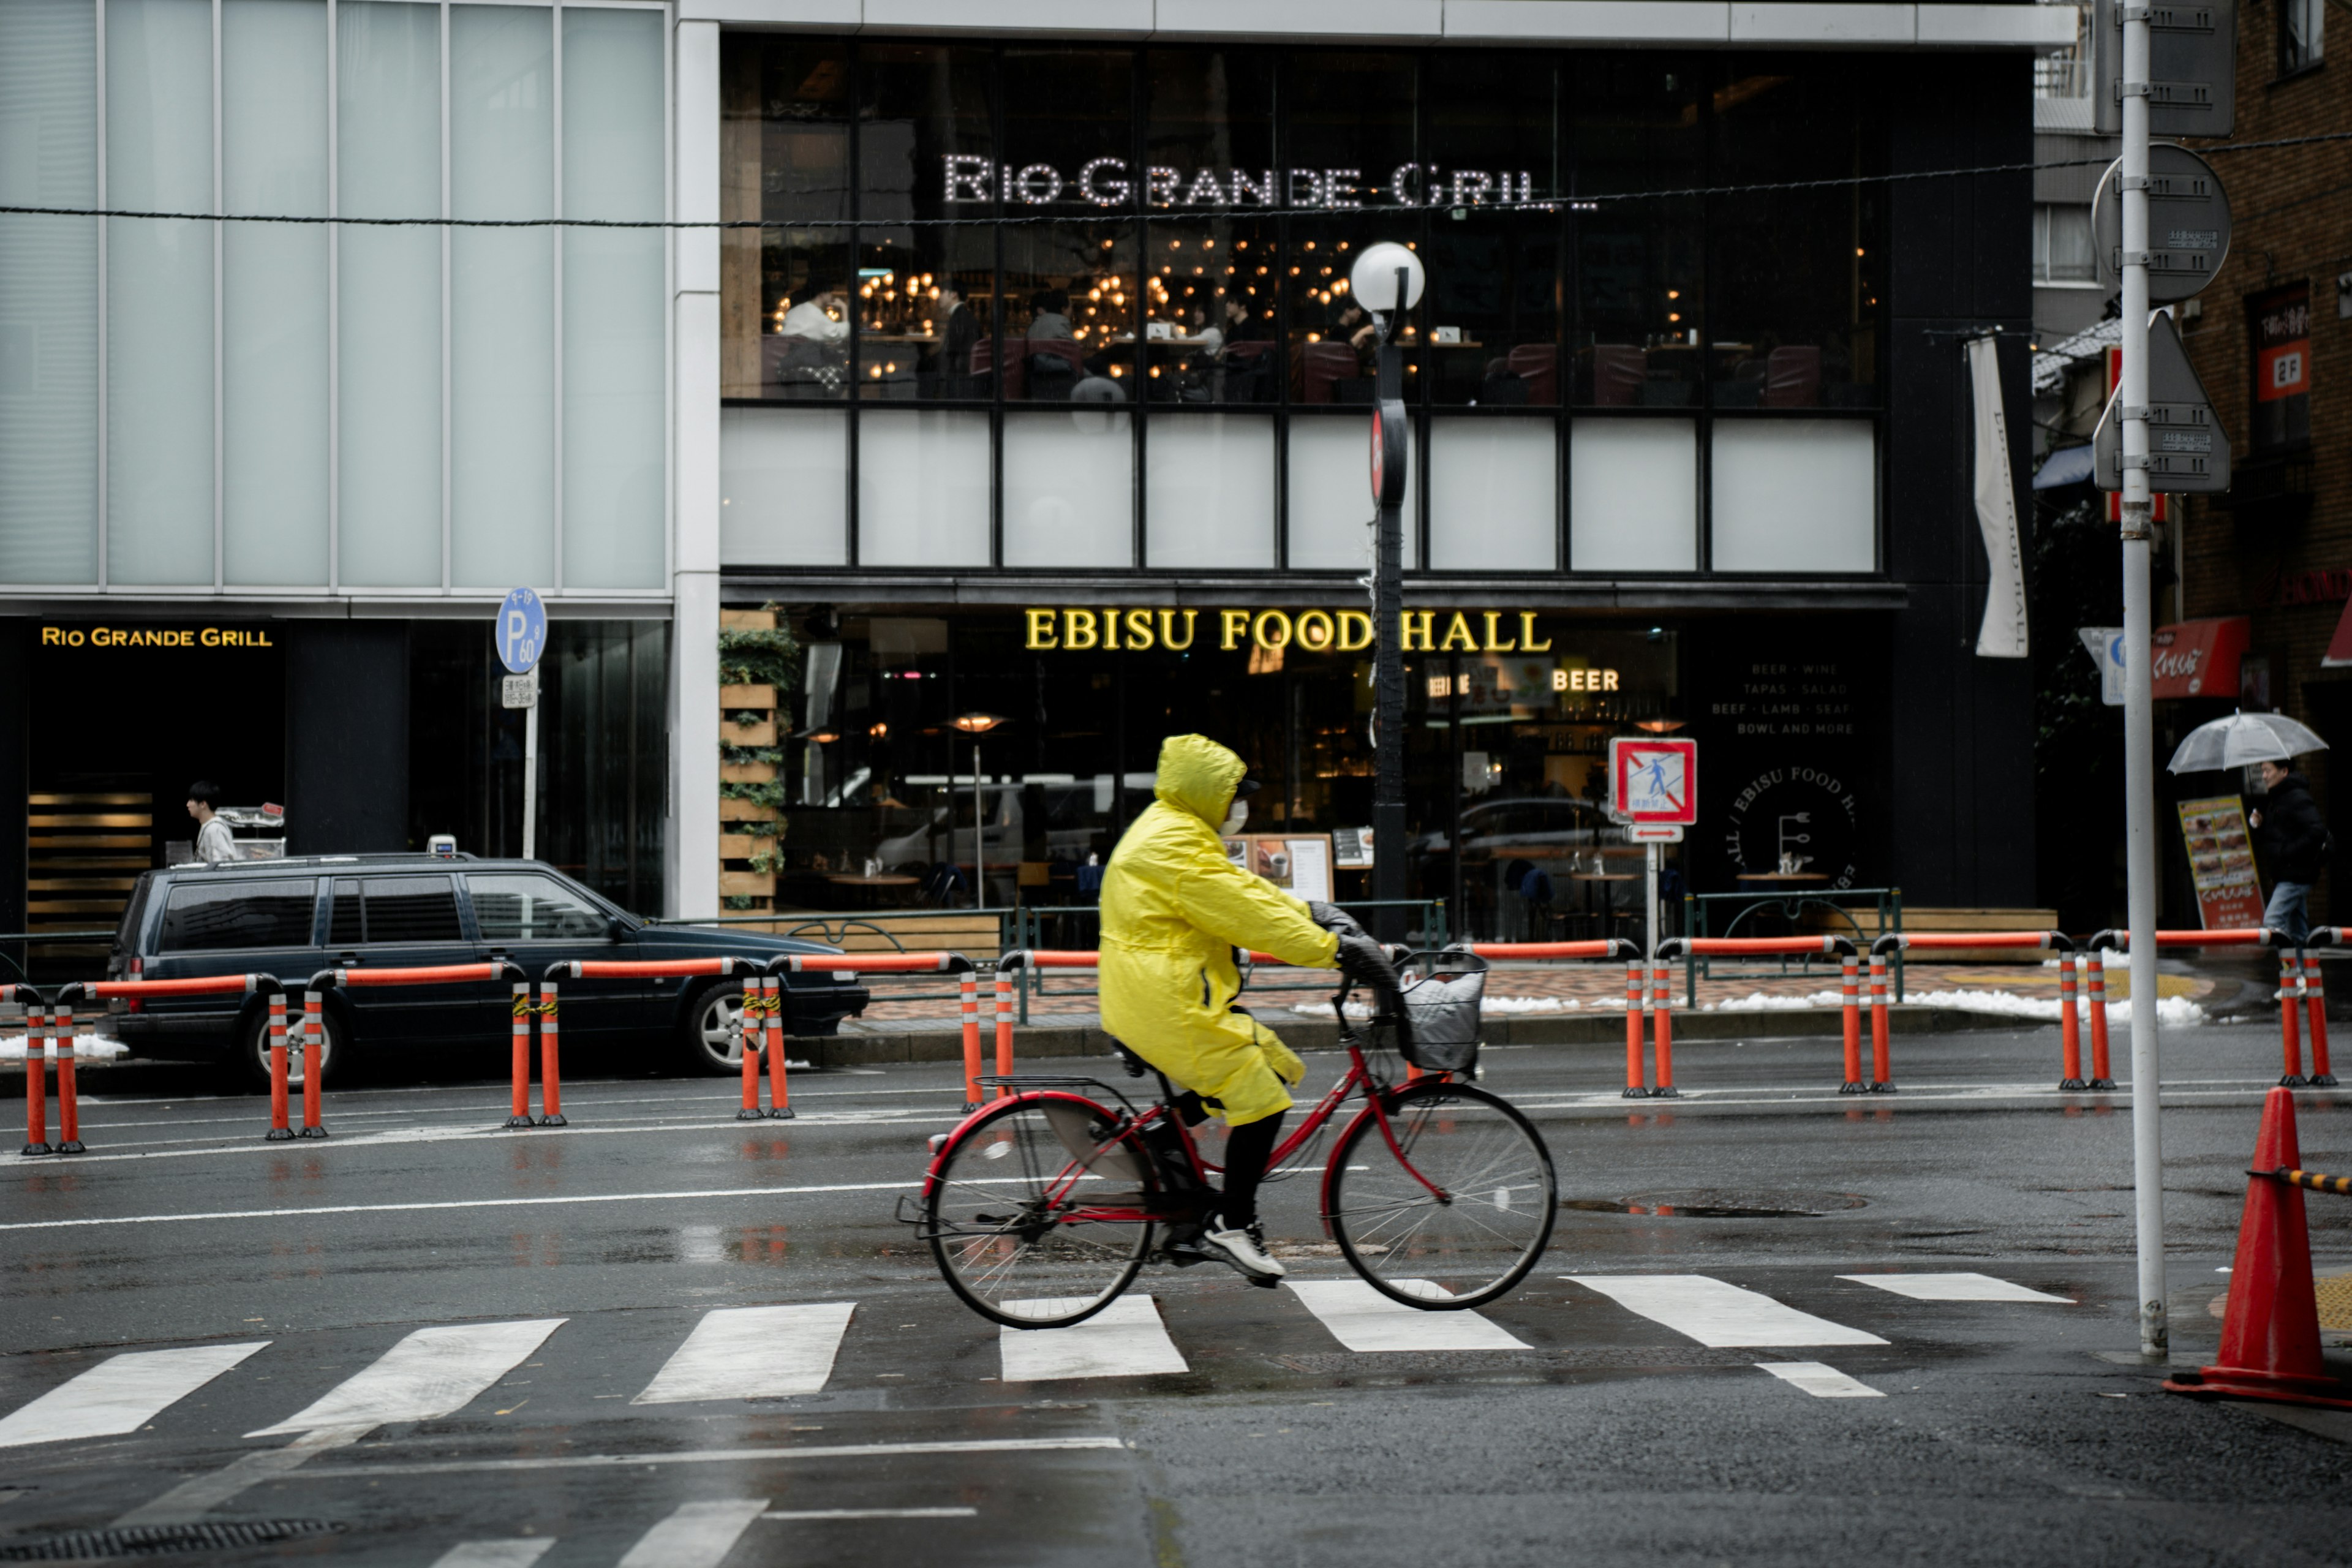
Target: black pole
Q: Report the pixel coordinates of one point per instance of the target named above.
(1388, 620)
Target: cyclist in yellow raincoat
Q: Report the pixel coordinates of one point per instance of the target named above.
(1173, 909)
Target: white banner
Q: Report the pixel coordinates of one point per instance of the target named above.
(2002, 634)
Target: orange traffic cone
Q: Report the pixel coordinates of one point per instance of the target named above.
(2270, 1338)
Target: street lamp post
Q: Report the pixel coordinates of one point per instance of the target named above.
(1387, 280)
(976, 725)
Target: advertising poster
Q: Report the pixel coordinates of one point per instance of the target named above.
(2222, 862)
(1299, 867)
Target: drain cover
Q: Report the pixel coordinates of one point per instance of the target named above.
(159, 1539)
(1722, 1204)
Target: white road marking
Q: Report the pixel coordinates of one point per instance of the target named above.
(872, 1513)
(752, 1353)
(432, 1372)
(1361, 1319)
(1820, 1382)
(712, 1456)
(698, 1535)
(495, 1554)
(463, 1204)
(1954, 1288)
(194, 1498)
(1718, 1314)
(1126, 1339)
(121, 1394)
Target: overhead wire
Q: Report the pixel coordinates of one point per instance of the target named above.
(1574, 201)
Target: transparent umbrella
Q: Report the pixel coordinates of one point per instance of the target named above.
(2244, 739)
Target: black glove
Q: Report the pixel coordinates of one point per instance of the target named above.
(1362, 960)
(1331, 917)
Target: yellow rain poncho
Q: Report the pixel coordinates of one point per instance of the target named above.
(1173, 909)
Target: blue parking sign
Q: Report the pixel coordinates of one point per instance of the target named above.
(521, 631)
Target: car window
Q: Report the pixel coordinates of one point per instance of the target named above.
(409, 908)
(520, 907)
(220, 916)
(135, 915)
(344, 926)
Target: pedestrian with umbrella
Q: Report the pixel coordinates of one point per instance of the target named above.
(2288, 831)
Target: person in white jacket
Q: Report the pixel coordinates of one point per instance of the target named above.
(214, 842)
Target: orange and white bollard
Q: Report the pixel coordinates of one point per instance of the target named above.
(747, 1040)
(1850, 995)
(551, 1066)
(1004, 1036)
(2290, 1001)
(279, 1132)
(968, 989)
(1662, 1003)
(61, 1034)
(314, 1052)
(37, 1084)
(1882, 1072)
(2101, 1078)
(2070, 1029)
(518, 1103)
(2314, 996)
(1634, 986)
(779, 1094)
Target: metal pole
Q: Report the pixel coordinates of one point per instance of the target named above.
(1652, 950)
(530, 776)
(2140, 726)
(1388, 662)
(979, 838)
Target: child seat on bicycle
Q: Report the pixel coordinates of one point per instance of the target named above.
(1174, 907)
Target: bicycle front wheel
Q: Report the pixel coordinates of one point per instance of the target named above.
(1035, 1220)
(1451, 1206)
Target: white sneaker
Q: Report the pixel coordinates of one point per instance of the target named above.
(1244, 1252)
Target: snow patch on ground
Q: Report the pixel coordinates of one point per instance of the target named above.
(2171, 1012)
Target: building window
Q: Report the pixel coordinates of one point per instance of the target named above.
(1105, 293)
(2300, 34)
(2061, 245)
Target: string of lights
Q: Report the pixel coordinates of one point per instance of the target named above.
(1576, 201)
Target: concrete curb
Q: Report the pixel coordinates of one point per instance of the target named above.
(1039, 1041)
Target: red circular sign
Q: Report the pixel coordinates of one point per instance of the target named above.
(1380, 451)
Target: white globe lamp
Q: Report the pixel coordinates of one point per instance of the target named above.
(1373, 277)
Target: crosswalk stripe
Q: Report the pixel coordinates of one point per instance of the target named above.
(1126, 1339)
(872, 1513)
(430, 1373)
(698, 1535)
(1954, 1288)
(495, 1554)
(1361, 1319)
(1819, 1381)
(1718, 1314)
(752, 1353)
(121, 1394)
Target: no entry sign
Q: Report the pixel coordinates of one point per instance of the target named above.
(1655, 780)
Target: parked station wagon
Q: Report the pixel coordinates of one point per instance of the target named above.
(292, 917)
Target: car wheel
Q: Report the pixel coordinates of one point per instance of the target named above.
(253, 1054)
(710, 1041)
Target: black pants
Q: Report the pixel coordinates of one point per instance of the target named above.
(1248, 1149)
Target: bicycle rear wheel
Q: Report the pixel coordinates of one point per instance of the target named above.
(1010, 1218)
(1479, 1231)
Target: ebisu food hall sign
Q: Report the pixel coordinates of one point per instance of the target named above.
(1313, 631)
(1111, 183)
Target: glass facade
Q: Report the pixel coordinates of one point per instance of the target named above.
(221, 406)
(1105, 291)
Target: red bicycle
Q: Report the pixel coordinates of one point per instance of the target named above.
(1044, 1204)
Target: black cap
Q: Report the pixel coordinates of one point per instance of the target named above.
(1246, 788)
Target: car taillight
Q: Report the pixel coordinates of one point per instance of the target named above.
(138, 967)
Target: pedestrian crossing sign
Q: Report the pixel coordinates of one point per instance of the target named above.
(1655, 780)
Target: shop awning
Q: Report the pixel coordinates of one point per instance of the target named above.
(2200, 659)
(2066, 465)
(2339, 647)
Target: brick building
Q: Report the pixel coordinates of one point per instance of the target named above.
(2272, 339)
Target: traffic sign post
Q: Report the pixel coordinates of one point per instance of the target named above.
(2187, 450)
(520, 636)
(2188, 223)
(1654, 790)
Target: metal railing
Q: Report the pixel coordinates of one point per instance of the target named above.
(1848, 915)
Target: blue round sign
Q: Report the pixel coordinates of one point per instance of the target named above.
(521, 631)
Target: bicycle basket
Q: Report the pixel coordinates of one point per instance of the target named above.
(1442, 1009)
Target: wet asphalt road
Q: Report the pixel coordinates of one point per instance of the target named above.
(2004, 1434)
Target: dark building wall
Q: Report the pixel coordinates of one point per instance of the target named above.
(15, 719)
(1960, 726)
(346, 736)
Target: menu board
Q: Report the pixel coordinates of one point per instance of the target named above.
(2222, 862)
(1301, 866)
(1352, 849)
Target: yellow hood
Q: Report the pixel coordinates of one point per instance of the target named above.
(1198, 775)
